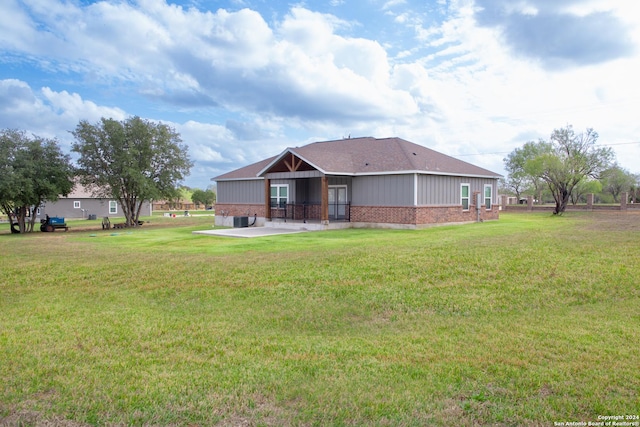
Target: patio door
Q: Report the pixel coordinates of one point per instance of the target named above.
(337, 202)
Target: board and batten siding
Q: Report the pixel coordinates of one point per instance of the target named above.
(383, 190)
(249, 191)
(434, 190)
(242, 192)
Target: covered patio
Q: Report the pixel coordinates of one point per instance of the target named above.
(297, 191)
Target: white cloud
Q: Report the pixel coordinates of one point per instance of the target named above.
(18, 105)
(264, 85)
(482, 99)
(71, 106)
(46, 112)
(226, 58)
(393, 3)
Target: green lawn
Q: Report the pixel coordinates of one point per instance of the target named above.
(528, 320)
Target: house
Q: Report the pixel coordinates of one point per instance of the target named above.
(358, 182)
(80, 203)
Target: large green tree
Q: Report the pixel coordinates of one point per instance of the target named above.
(520, 178)
(32, 170)
(131, 161)
(203, 197)
(571, 159)
(616, 180)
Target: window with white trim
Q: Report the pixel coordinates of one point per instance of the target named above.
(76, 204)
(465, 196)
(113, 207)
(279, 195)
(488, 196)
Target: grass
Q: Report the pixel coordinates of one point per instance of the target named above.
(529, 320)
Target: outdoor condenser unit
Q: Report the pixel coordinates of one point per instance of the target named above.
(240, 221)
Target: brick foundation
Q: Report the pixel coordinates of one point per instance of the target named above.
(411, 216)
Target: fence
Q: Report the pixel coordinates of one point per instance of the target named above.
(589, 206)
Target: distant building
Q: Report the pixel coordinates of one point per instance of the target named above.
(81, 204)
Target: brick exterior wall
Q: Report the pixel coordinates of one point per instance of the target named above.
(384, 214)
(420, 215)
(312, 212)
(239, 210)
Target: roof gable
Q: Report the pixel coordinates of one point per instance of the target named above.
(287, 162)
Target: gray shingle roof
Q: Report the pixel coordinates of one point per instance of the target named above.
(248, 172)
(368, 155)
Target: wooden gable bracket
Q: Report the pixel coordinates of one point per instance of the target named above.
(293, 166)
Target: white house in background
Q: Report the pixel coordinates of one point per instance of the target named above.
(81, 204)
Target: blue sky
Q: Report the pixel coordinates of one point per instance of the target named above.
(242, 80)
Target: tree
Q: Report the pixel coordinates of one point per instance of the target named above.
(572, 159)
(131, 161)
(635, 189)
(616, 180)
(203, 197)
(520, 177)
(587, 186)
(33, 170)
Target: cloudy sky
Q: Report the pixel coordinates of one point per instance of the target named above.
(241, 80)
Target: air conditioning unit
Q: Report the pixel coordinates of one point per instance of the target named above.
(240, 221)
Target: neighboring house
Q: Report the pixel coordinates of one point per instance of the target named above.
(358, 182)
(81, 204)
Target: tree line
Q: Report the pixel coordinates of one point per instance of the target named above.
(200, 198)
(566, 168)
(131, 161)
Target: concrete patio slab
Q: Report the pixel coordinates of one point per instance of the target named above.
(250, 232)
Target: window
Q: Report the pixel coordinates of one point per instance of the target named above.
(279, 195)
(76, 204)
(488, 189)
(464, 196)
(113, 207)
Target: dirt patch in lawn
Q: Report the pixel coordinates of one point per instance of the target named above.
(608, 221)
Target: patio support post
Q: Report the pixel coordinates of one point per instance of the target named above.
(324, 210)
(267, 199)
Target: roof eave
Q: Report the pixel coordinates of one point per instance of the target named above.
(404, 172)
(419, 172)
(247, 178)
